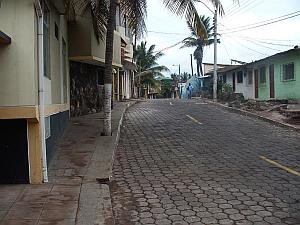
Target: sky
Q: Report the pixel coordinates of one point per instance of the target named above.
(166, 29)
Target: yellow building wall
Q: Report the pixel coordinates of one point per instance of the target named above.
(84, 46)
(56, 46)
(17, 60)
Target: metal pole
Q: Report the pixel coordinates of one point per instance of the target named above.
(192, 64)
(215, 78)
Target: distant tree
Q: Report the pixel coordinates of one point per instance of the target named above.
(184, 77)
(149, 71)
(166, 88)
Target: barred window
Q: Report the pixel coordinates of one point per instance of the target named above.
(288, 71)
(240, 77)
(250, 77)
(262, 75)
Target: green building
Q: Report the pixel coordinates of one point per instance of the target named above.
(277, 76)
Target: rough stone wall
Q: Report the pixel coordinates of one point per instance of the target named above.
(86, 88)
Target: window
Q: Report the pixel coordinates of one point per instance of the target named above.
(240, 77)
(46, 37)
(56, 31)
(262, 75)
(250, 77)
(224, 78)
(288, 71)
(64, 70)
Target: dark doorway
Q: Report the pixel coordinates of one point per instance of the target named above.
(256, 83)
(14, 166)
(271, 76)
(233, 82)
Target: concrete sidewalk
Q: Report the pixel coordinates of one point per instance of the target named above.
(76, 193)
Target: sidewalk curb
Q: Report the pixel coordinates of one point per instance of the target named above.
(117, 138)
(95, 203)
(254, 115)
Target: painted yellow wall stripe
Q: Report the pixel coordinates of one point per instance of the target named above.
(280, 166)
(192, 118)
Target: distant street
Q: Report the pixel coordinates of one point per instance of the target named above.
(187, 162)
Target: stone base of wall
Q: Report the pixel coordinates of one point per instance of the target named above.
(86, 88)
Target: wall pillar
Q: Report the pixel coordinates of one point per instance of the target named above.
(35, 152)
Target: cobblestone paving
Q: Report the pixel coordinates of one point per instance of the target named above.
(170, 170)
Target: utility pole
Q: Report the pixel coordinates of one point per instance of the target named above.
(192, 64)
(215, 78)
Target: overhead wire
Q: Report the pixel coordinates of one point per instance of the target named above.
(247, 4)
(237, 41)
(254, 42)
(268, 43)
(223, 42)
(169, 47)
(234, 7)
(261, 25)
(264, 21)
(167, 33)
(244, 9)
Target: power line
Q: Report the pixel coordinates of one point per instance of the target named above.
(234, 7)
(276, 21)
(269, 39)
(169, 47)
(161, 32)
(237, 41)
(245, 9)
(269, 43)
(225, 48)
(254, 42)
(264, 21)
(247, 4)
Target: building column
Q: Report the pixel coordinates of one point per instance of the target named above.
(35, 152)
(118, 85)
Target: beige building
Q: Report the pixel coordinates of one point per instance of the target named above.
(43, 60)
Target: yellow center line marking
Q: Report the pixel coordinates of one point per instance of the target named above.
(171, 103)
(280, 166)
(192, 118)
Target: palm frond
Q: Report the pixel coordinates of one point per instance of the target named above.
(160, 68)
(99, 13)
(189, 42)
(136, 11)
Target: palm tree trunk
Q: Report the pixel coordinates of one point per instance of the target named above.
(108, 67)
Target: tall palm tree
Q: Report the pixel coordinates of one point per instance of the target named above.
(148, 69)
(104, 20)
(199, 41)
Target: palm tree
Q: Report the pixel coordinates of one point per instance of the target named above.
(148, 69)
(198, 40)
(104, 20)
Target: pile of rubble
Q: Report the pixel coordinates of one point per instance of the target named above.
(287, 110)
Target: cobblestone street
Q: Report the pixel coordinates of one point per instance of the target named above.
(188, 162)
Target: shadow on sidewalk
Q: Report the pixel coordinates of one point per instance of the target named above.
(73, 194)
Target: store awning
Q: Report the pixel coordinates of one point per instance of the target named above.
(4, 39)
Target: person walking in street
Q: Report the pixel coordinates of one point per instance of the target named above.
(189, 91)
